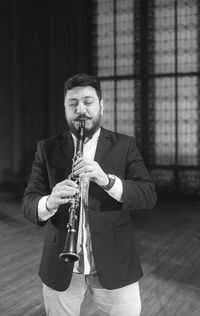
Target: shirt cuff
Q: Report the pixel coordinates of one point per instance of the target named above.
(43, 213)
(116, 191)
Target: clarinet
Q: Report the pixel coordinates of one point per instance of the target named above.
(69, 253)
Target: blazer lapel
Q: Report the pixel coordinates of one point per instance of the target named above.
(102, 150)
(102, 145)
(67, 147)
(63, 152)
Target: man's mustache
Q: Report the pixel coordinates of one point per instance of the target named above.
(82, 117)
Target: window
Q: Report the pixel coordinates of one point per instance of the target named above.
(146, 54)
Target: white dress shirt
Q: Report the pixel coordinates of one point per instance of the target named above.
(86, 264)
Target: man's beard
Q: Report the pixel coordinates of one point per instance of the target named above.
(89, 132)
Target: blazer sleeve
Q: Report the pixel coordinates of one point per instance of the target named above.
(138, 187)
(37, 186)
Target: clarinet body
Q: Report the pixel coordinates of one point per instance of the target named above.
(69, 253)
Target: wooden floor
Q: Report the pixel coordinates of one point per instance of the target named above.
(169, 246)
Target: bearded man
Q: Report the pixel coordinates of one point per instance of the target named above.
(115, 183)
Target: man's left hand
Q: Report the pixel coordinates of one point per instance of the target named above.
(87, 168)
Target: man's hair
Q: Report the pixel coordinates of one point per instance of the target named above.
(83, 80)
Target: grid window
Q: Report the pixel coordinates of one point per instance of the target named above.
(115, 61)
(148, 62)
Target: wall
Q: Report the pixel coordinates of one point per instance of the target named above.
(42, 43)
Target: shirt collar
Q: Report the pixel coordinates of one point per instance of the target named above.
(94, 138)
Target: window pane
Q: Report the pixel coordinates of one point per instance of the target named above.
(164, 46)
(188, 121)
(105, 38)
(125, 39)
(125, 107)
(164, 121)
(187, 35)
(108, 97)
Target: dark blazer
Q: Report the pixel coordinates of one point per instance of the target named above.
(112, 230)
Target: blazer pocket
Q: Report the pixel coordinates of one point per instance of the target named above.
(123, 230)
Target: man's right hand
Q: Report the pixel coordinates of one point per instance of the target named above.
(61, 194)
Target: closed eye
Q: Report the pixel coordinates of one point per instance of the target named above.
(88, 100)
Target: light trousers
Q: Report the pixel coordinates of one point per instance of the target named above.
(86, 296)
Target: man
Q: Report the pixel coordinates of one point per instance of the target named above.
(115, 182)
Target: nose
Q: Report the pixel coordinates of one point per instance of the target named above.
(81, 109)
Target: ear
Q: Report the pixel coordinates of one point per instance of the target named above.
(101, 106)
